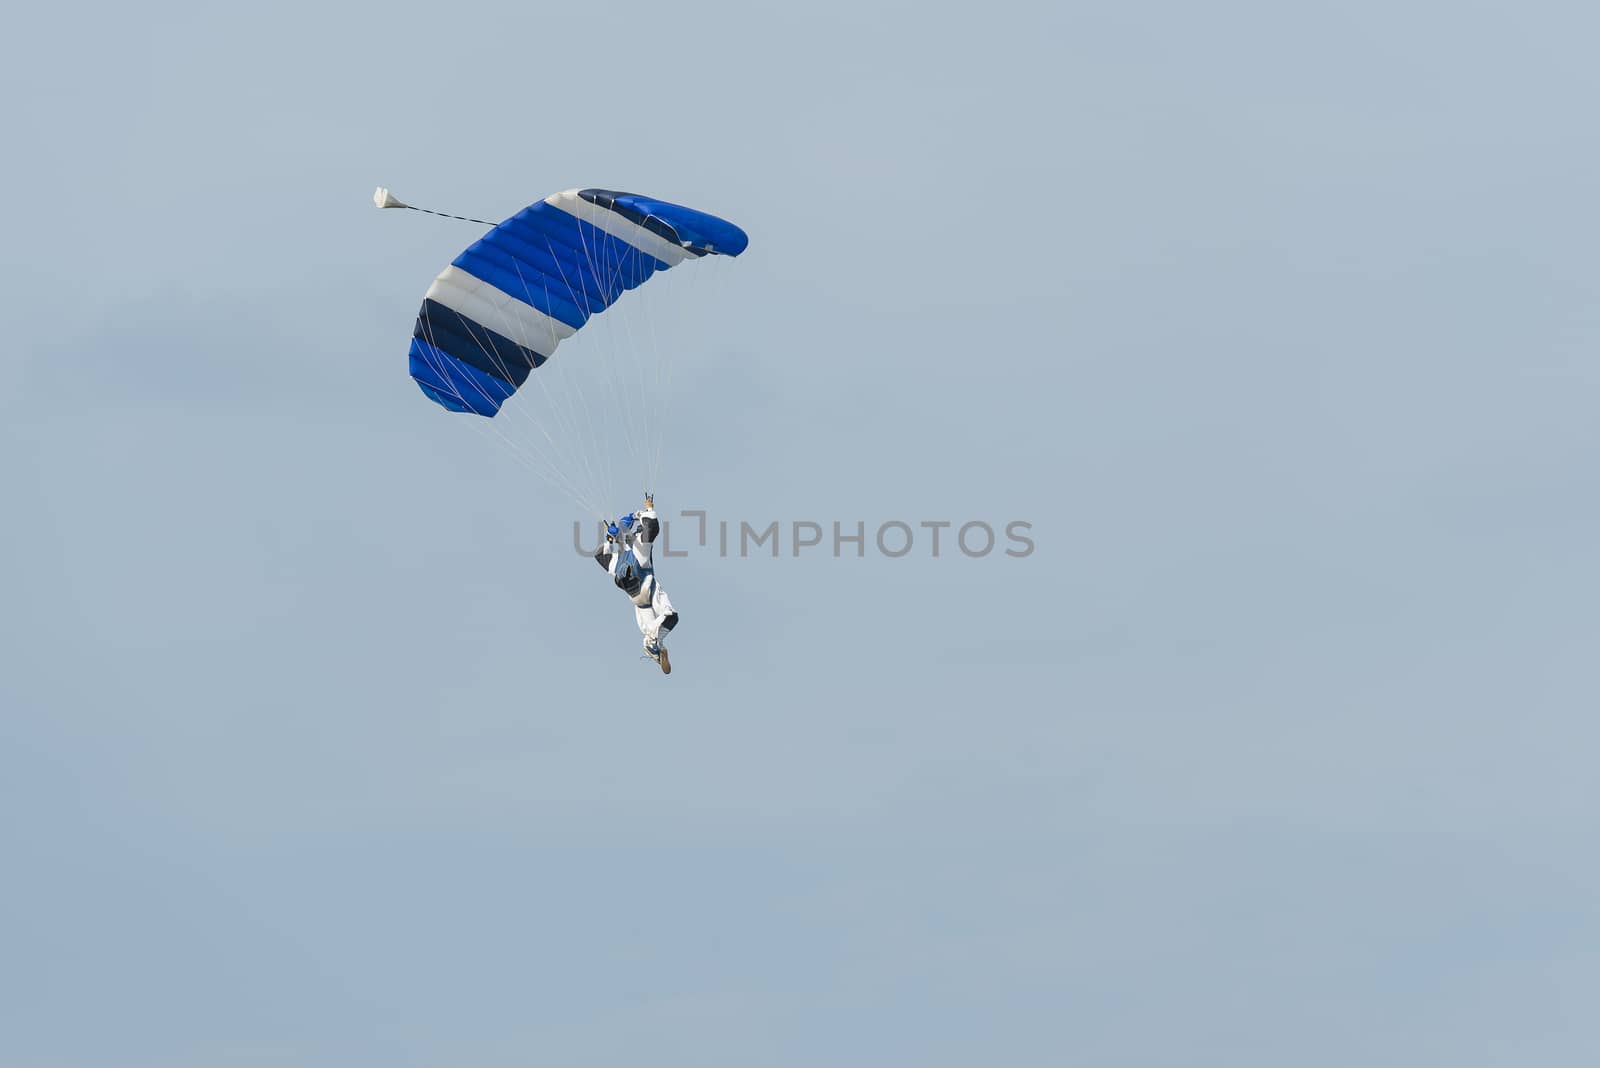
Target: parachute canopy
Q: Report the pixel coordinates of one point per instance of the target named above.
(500, 309)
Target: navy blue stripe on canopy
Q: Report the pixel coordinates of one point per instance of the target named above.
(694, 231)
(473, 343)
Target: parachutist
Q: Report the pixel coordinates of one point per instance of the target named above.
(495, 315)
(626, 556)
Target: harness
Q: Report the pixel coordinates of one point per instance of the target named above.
(633, 578)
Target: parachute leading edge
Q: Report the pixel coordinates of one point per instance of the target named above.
(500, 309)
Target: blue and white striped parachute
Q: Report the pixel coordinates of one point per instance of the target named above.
(494, 317)
(497, 313)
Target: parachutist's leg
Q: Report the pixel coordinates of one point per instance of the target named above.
(666, 619)
(657, 618)
(666, 616)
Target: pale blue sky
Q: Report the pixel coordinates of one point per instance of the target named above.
(318, 746)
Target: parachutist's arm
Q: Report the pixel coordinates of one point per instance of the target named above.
(649, 526)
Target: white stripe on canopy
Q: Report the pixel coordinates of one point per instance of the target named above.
(605, 219)
(497, 310)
